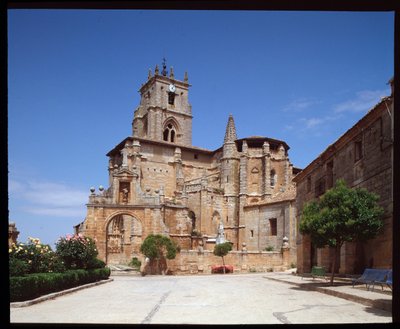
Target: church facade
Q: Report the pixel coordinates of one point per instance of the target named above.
(159, 183)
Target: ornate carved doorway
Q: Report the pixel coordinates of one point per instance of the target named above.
(124, 237)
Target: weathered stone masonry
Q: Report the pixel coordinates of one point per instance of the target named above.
(160, 183)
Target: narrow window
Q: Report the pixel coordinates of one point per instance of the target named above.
(273, 226)
(166, 133)
(172, 136)
(358, 150)
(320, 187)
(308, 184)
(329, 174)
(251, 233)
(171, 98)
(273, 177)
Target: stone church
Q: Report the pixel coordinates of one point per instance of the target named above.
(160, 183)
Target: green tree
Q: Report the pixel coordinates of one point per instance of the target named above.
(342, 214)
(221, 250)
(158, 247)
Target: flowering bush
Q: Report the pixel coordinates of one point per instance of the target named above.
(33, 257)
(77, 251)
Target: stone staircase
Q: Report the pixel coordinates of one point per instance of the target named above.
(119, 269)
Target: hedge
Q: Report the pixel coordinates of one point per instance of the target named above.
(35, 285)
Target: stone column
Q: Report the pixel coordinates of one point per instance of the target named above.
(267, 172)
(178, 169)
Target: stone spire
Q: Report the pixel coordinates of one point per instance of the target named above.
(171, 73)
(156, 70)
(230, 133)
(186, 79)
(150, 75)
(164, 71)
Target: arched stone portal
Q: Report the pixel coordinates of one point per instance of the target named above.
(124, 237)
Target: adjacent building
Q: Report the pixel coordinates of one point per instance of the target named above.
(363, 157)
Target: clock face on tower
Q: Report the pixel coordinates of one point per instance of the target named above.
(171, 88)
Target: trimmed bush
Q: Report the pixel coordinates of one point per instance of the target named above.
(136, 263)
(95, 263)
(18, 267)
(35, 285)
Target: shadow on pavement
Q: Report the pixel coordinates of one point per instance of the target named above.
(377, 311)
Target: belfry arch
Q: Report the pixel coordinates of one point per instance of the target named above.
(171, 130)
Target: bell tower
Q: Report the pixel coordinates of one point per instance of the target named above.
(164, 113)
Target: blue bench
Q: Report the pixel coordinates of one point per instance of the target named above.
(372, 276)
(389, 280)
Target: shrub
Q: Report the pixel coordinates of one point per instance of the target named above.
(39, 258)
(95, 263)
(136, 263)
(77, 251)
(269, 248)
(17, 267)
(34, 285)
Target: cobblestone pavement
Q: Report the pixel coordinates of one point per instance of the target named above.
(205, 299)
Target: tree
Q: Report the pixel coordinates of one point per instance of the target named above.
(222, 250)
(342, 215)
(158, 247)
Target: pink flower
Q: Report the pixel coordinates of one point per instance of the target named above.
(68, 237)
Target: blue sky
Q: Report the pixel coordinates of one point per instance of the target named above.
(74, 76)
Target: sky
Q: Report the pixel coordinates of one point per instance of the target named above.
(74, 75)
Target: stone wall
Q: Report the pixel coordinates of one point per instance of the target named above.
(195, 262)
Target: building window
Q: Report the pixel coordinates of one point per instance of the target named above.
(273, 226)
(358, 150)
(329, 174)
(169, 133)
(251, 233)
(171, 98)
(319, 187)
(308, 184)
(196, 156)
(273, 177)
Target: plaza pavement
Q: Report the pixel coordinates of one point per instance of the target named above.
(256, 298)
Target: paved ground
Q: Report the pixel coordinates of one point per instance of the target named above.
(256, 298)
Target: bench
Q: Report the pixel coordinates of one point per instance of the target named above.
(389, 279)
(316, 271)
(372, 276)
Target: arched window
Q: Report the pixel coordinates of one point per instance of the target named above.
(169, 133)
(192, 216)
(273, 177)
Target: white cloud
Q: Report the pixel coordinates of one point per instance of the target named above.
(312, 122)
(48, 198)
(56, 211)
(362, 102)
(300, 104)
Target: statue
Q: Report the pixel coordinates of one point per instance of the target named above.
(221, 235)
(124, 153)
